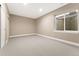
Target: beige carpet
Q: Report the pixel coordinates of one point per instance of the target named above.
(37, 46)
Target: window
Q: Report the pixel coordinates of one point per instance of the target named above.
(67, 21)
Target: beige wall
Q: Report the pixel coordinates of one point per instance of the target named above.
(45, 24)
(21, 25)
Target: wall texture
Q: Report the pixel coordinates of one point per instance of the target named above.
(21, 25)
(45, 24)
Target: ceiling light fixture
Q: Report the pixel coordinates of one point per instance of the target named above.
(25, 3)
(41, 9)
(77, 10)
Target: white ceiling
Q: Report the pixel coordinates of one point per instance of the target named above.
(33, 10)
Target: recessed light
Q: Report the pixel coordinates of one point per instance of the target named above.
(41, 9)
(25, 3)
(76, 10)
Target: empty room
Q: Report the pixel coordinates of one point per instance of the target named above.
(39, 29)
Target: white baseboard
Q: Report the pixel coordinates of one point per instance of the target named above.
(22, 35)
(60, 40)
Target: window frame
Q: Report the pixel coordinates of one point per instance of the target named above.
(66, 31)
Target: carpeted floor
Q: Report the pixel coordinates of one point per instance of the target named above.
(37, 46)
